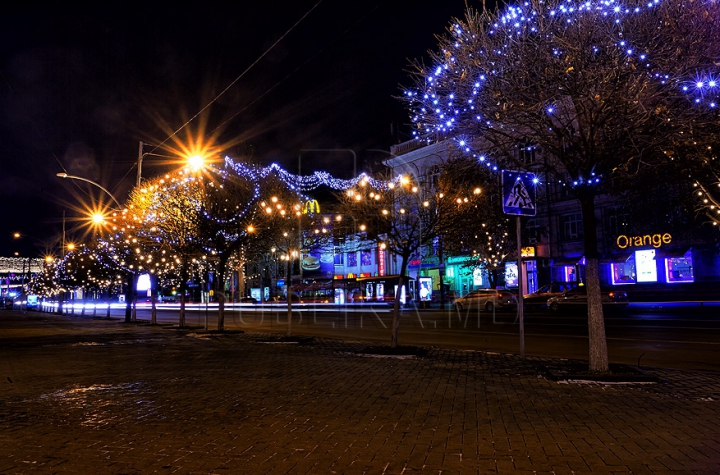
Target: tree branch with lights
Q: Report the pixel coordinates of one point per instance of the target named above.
(603, 90)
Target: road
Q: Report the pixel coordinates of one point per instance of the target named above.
(684, 337)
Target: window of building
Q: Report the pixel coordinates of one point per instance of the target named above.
(533, 231)
(571, 226)
(527, 152)
(617, 221)
(432, 177)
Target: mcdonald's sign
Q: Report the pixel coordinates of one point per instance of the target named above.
(311, 207)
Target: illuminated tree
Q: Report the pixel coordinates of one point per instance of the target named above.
(407, 216)
(227, 213)
(604, 90)
(45, 282)
(164, 224)
(487, 238)
(85, 269)
(286, 229)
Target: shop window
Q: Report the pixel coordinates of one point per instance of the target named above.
(679, 269)
(623, 272)
(569, 273)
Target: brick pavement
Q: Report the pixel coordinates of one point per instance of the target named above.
(82, 396)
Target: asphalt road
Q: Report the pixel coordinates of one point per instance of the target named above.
(680, 337)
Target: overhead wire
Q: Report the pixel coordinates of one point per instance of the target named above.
(265, 53)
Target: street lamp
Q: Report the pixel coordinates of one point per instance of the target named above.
(73, 177)
(196, 162)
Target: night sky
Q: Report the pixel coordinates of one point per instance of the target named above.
(82, 85)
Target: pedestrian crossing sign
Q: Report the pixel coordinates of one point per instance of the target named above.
(519, 193)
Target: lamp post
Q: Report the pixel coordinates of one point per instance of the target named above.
(73, 177)
(194, 161)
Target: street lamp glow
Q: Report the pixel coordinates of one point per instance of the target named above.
(196, 162)
(98, 218)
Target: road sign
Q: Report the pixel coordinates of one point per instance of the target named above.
(518, 193)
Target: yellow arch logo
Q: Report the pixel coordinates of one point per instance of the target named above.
(311, 207)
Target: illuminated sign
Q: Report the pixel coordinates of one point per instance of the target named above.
(527, 251)
(458, 259)
(425, 284)
(381, 262)
(143, 282)
(311, 207)
(511, 274)
(646, 266)
(477, 276)
(654, 240)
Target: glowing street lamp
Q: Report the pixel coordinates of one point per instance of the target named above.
(98, 218)
(196, 162)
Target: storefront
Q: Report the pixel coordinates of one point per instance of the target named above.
(462, 278)
(649, 258)
(652, 265)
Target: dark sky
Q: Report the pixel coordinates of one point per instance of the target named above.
(83, 84)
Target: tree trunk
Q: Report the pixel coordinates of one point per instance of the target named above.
(598, 354)
(396, 306)
(288, 270)
(61, 296)
(183, 287)
(128, 298)
(153, 299)
(220, 291)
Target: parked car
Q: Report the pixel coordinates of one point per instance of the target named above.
(248, 300)
(539, 298)
(486, 299)
(577, 298)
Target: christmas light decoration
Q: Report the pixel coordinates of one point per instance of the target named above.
(448, 96)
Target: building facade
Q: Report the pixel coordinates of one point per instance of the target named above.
(663, 258)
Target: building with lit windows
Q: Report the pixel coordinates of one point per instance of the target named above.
(667, 259)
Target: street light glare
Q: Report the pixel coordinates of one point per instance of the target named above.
(98, 218)
(196, 162)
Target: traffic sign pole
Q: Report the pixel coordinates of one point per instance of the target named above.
(521, 307)
(519, 199)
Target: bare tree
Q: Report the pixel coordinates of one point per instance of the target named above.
(488, 239)
(604, 90)
(406, 215)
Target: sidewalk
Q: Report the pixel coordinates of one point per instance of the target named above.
(97, 396)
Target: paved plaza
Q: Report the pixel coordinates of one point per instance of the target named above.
(81, 395)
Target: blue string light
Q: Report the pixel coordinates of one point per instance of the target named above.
(437, 112)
